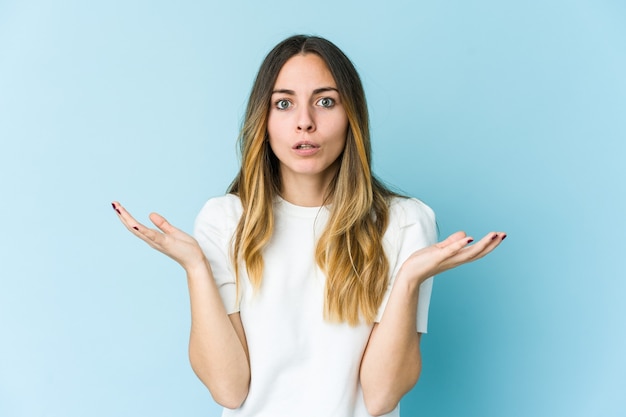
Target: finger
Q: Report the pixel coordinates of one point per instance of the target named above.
(150, 236)
(160, 222)
(456, 246)
(455, 237)
(495, 238)
(126, 218)
(153, 237)
(494, 243)
(481, 248)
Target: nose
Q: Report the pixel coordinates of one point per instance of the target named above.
(305, 120)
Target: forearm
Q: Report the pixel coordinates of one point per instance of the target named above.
(392, 361)
(217, 352)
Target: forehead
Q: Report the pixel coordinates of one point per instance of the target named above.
(304, 70)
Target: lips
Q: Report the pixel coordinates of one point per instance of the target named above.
(306, 148)
(305, 145)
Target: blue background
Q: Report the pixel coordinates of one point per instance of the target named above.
(500, 115)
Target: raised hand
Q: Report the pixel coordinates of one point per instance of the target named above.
(171, 241)
(454, 251)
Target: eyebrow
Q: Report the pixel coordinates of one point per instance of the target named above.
(316, 91)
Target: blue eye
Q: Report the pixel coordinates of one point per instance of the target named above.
(283, 104)
(326, 102)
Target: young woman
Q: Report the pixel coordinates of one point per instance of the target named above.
(309, 281)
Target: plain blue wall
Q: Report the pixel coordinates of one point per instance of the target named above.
(500, 115)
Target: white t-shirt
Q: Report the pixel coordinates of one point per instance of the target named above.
(300, 364)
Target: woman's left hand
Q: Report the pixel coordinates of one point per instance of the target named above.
(455, 250)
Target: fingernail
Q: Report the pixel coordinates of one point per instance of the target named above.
(116, 209)
(494, 237)
(470, 241)
(503, 237)
(135, 227)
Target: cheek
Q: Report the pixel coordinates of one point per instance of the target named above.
(270, 125)
(275, 127)
(273, 135)
(342, 124)
(341, 130)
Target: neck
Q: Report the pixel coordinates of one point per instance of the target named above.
(304, 191)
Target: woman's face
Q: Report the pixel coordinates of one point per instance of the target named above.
(307, 123)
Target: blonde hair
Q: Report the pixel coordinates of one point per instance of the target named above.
(350, 249)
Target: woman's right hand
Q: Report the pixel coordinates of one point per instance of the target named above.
(218, 350)
(171, 241)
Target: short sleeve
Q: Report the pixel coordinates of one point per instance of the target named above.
(412, 226)
(214, 228)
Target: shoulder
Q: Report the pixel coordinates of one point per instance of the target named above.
(220, 214)
(412, 226)
(226, 205)
(407, 211)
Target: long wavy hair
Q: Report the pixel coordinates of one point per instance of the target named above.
(350, 249)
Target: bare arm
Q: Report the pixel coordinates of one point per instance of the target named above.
(218, 350)
(392, 360)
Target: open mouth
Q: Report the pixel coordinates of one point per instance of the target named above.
(305, 145)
